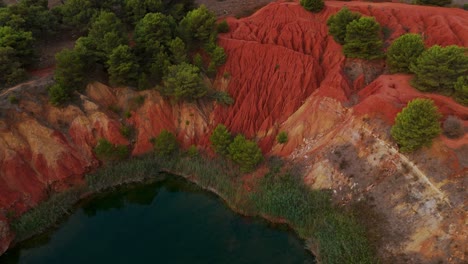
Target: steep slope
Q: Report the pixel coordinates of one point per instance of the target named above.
(286, 74)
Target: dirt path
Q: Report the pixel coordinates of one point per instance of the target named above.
(404, 160)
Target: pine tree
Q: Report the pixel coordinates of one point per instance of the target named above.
(183, 81)
(220, 139)
(404, 51)
(438, 68)
(245, 152)
(337, 24)
(313, 5)
(461, 89)
(123, 67)
(363, 39)
(165, 143)
(416, 125)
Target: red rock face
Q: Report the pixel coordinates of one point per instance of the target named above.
(285, 73)
(282, 54)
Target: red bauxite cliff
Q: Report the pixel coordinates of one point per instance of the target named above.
(286, 74)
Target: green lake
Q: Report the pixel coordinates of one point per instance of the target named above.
(167, 222)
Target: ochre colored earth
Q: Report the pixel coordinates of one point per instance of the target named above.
(286, 74)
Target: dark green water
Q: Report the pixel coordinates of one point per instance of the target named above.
(169, 222)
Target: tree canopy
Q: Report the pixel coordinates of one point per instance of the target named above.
(10, 67)
(404, 51)
(21, 42)
(461, 89)
(165, 143)
(437, 68)
(245, 152)
(123, 67)
(220, 139)
(198, 25)
(69, 76)
(183, 81)
(154, 27)
(416, 125)
(106, 33)
(363, 39)
(337, 24)
(313, 5)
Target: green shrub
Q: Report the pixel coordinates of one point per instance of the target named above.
(223, 27)
(58, 95)
(198, 61)
(22, 43)
(313, 5)
(218, 56)
(363, 39)
(438, 68)
(282, 137)
(220, 139)
(70, 75)
(11, 71)
(461, 89)
(222, 97)
(123, 66)
(126, 131)
(340, 239)
(198, 25)
(183, 81)
(192, 151)
(165, 144)
(404, 51)
(127, 114)
(416, 125)
(245, 153)
(178, 51)
(13, 99)
(337, 24)
(109, 152)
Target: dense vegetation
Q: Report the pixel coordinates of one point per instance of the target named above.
(313, 5)
(160, 56)
(107, 151)
(360, 36)
(416, 125)
(363, 40)
(221, 139)
(126, 42)
(338, 22)
(438, 68)
(404, 51)
(243, 152)
(21, 27)
(165, 143)
(279, 195)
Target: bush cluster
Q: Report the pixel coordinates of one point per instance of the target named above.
(107, 151)
(313, 5)
(360, 36)
(165, 144)
(158, 55)
(245, 153)
(416, 125)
